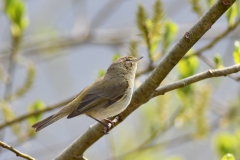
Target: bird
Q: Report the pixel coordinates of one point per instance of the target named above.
(106, 97)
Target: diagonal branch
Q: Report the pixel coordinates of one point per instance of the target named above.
(144, 92)
(18, 153)
(195, 78)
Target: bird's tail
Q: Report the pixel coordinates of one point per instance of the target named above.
(47, 121)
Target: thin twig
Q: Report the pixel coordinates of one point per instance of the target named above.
(18, 153)
(195, 78)
(213, 66)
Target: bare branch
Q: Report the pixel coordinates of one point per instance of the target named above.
(196, 78)
(18, 153)
(144, 92)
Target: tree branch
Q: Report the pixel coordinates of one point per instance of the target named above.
(196, 78)
(144, 92)
(18, 153)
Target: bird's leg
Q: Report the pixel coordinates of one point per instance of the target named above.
(111, 123)
(105, 125)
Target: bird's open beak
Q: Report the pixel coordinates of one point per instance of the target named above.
(137, 59)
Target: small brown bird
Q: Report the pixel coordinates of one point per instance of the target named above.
(106, 97)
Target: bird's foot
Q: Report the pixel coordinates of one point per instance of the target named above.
(110, 124)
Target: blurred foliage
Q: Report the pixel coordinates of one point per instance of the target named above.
(101, 72)
(188, 66)
(36, 106)
(155, 30)
(236, 53)
(232, 14)
(3, 75)
(231, 117)
(170, 31)
(151, 28)
(210, 2)
(133, 48)
(218, 61)
(225, 143)
(196, 7)
(9, 115)
(15, 10)
(26, 86)
(228, 157)
(116, 56)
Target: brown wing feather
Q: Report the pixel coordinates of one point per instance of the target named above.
(100, 97)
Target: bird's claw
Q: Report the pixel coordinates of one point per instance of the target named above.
(110, 124)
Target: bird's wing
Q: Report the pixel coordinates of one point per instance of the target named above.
(102, 95)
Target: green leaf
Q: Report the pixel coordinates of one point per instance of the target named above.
(225, 143)
(210, 2)
(15, 10)
(218, 61)
(228, 157)
(236, 53)
(116, 56)
(231, 14)
(36, 106)
(196, 7)
(170, 31)
(101, 72)
(188, 66)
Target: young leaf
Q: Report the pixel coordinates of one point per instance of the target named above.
(236, 52)
(170, 30)
(116, 56)
(15, 10)
(196, 7)
(101, 72)
(218, 61)
(210, 2)
(36, 106)
(225, 143)
(228, 157)
(187, 67)
(231, 14)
